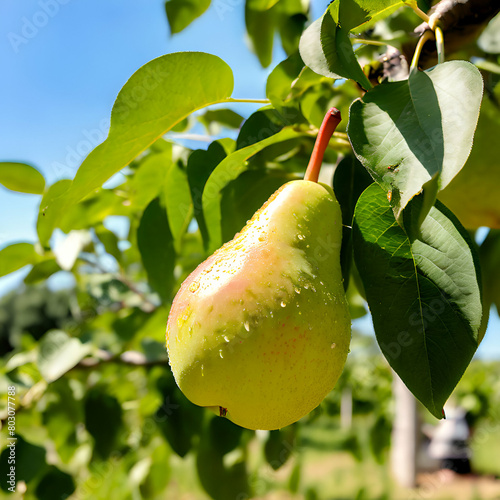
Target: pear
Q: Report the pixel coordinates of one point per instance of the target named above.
(260, 331)
(473, 194)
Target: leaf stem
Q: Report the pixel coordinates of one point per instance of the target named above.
(330, 123)
(427, 35)
(258, 101)
(371, 42)
(420, 13)
(439, 44)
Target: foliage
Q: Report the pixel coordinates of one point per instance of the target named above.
(98, 411)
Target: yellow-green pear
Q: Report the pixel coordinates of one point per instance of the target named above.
(473, 195)
(260, 331)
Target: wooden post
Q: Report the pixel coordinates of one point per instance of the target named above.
(405, 432)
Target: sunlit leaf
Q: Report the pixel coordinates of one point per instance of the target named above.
(21, 177)
(153, 100)
(407, 133)
(181, 13)
(149, 178)
(16, 256)
(47, 219)
(224, 117)
(58, 353)
(178, 202)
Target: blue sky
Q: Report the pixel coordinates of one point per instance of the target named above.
(63, 63)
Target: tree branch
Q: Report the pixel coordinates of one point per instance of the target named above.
(133, 358)
(462, 21)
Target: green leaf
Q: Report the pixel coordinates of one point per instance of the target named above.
(110, 241)
(489, 41)
(178, 419)
(280, 445)
(103, 420)
(261, 25)
(407, 133)
(55, 484)
(325, 47)
(178, 202)
(423, 293)
(356, 302)
(47, 219)
(279, 82)
(21, 177)
(58, 353)
(261, 4)
(156, 97)
(490, 265)
(380, 438)
(181, 13)
(473, 194)
(16, 256)
(225, 117)
(200, 165)
(156, 245)
(30, 460)
(242, 197)
(149, 179)
(290, 29)
(42, 270)
(219, 479)
(228, 170)
(265, 123)
(349, 181)
(93, 210)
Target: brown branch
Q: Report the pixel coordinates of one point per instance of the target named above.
(462, 21)
(133, 358)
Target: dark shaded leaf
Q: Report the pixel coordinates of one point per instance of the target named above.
(423, 293)
(55, 484)
(103, 420)
(349, 181)
(280, 446)
(178, 419)
(261, 25)
(156, 244)
(29, 461)
(228, 170)
(199, 168)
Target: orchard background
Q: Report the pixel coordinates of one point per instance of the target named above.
(89, 268)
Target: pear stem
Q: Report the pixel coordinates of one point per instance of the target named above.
(330, 122)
